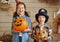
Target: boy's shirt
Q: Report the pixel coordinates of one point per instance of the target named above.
(44, 27)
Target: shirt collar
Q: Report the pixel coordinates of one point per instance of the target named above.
(41, 26)
(21, 16)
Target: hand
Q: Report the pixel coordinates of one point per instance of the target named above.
(27, 30)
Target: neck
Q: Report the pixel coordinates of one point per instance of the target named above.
(42, 23)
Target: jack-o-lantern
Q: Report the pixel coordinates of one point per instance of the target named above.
(20, 24)
(41, 34)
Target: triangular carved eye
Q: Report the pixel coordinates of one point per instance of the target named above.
(20, 20)
(15, 21)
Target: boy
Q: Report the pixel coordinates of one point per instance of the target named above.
(44, 33)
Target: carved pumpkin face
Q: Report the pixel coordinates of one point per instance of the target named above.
(41, 34)
(20, 24)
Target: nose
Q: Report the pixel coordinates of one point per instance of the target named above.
(20, 9)
(40, 18)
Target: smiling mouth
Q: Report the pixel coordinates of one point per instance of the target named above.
(18, 24)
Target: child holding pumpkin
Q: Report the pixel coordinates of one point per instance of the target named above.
(20, 36)
(41, 31)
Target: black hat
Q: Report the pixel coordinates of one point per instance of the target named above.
(42, 12)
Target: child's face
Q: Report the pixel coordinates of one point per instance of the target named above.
(41, 19)
(20, 9)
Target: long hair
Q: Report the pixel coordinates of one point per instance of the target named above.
(26, 13)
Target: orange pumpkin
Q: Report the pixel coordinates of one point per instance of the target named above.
(40, 35)
(20, 24)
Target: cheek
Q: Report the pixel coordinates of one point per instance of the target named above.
(17, 10)
(23, 10)
(44, 19)
(39, 19)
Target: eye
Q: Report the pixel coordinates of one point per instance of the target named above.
(20, 20)
(15, 21)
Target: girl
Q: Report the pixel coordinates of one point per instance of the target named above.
(20, 12)
(44, 34)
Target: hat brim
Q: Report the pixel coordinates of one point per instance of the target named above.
(46, 16)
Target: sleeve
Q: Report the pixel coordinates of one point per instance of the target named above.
(49, 31)
(12, 24)
(29, 22)
(33, 33)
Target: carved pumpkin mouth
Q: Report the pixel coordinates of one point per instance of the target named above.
(18, 24)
